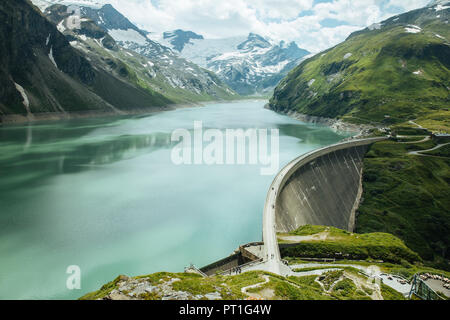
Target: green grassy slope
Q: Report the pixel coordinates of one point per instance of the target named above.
(382, 76)
(62, 73)
(155, 70)
(409, 197)
(343, 282)
(337, 243)
(55, 76)
(134, 70)
(333, 285)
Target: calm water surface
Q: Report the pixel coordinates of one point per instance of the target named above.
(103, 194)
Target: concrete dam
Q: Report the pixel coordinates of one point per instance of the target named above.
(323, 187)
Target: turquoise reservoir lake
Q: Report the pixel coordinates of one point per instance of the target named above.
(104, 194)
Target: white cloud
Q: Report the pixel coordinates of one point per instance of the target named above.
(278, 19)
(280, 9)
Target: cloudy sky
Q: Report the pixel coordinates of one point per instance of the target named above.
(314, 24)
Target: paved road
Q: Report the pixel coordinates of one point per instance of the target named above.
(272, 255)
(419, 153)
(417, 125)
(253, 286)
(417, 141)
(390, 280)
(286, 271)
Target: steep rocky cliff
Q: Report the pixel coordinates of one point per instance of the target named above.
(105, 35)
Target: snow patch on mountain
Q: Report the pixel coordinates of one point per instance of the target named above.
(61, 28)
(202, 51)
(413, 29)
(248, 64)
(438, 2)
(179, 38)
(128, 35)
(26, 101)
(375, 26)
(52, 59)
(440, 7)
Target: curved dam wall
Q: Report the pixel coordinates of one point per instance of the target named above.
(322, 187)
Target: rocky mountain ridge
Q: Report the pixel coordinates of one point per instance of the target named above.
(249, 65)
(42, 73)
(156, 65)
(49, 68)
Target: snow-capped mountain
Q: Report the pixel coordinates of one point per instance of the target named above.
(106, 35)
(247, 64)
(437, 2)
(41, 73)
(179, 38)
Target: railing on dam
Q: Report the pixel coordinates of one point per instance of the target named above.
(242, 267)
(422, 290)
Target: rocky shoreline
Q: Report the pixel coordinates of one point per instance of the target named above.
(12, 119)
(54, 116)
(335, 124)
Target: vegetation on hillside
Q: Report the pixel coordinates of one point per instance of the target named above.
(133, 67)
(336, 243)
(408, 196)
(346, 284)
(340, 280)
(441, 152)
(386, 74)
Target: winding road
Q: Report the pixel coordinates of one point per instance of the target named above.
(419, 153)
(427, 138)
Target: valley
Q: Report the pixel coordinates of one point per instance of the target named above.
(120, 152)
(107, 65)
